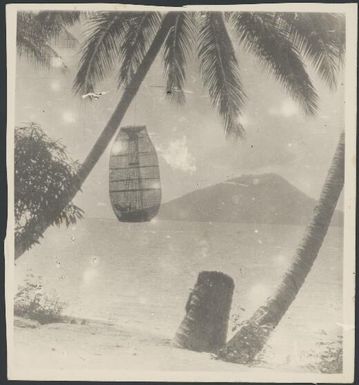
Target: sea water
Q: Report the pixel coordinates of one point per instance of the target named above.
(140, 275)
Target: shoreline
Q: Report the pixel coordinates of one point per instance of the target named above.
(86, 346)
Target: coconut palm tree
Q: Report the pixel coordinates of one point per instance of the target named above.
(103, 28)
(132, 40)
(328, 32)
(281, 41)
(254, 333)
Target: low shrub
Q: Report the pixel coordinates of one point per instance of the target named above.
(32, 302)
(331, 358)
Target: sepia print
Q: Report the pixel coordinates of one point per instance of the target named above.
(181, 201)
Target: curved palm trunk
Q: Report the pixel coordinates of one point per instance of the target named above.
(40, 224)
(254, 333)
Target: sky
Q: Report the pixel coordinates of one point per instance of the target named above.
(192, 149)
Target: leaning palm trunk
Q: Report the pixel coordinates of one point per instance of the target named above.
(42, 222)
(254, 333)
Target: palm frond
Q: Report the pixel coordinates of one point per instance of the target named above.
(261, 34)
(32, 42)
(321, 39)
(139, 34)
(220, 72)
(177, 47)
(54, 22)
(36, 30)
(41, 54)
(67, 38)
(105, 33)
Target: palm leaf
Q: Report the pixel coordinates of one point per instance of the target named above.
(177, 47)
(54, 22)
(139, 34)
(261, 34)
(105, 33)
(65, 36)
(321, 39)
(55, 26)
(41, 54)
(220, 72)
(31, 40)
(66, 18)
(36, 30)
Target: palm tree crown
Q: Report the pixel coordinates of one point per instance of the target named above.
(281, 41)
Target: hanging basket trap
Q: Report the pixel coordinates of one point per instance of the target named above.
(135, 185)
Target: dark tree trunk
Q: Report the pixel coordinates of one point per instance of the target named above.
(252, 336)
(204, 328)
(41, 223)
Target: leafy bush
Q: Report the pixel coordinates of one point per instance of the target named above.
(33, 303)
(327, 357)
(331, 358)
(43, 171)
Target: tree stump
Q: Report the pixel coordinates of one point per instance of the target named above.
(204, 327)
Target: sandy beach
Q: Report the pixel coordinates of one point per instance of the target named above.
(103, 346)
(87, 349)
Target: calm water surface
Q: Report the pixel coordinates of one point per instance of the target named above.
(139, 275)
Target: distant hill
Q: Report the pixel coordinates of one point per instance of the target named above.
(266, 198)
